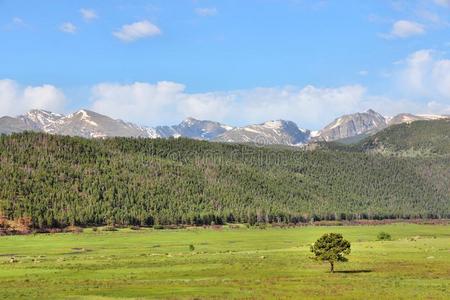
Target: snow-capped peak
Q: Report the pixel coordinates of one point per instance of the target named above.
(82, 112)
(274, 124)
(42, 119)
(270, 132)
(337, 123)
(42, 114)
(314, 133)
(189, 121)
(227, 127)
(83, 115)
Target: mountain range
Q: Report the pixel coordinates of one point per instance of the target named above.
(85, 123)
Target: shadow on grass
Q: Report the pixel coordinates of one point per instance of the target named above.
(353, 271)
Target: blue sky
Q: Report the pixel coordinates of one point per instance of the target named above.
(239, 62)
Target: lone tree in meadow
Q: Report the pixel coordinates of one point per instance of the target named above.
(331, 247)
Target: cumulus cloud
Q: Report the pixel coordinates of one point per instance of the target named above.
(416, 70)
(15, 99)
(88, 14)
(424, 78)
(206, 12)
(18, 21)
(68, 27)
(168, 103)
(363, 73)
(405, 29)
(138, 30)
(441, 75)
(139, 101)
(307, 106)
(442, 2)
(425, 74)
(310, 106)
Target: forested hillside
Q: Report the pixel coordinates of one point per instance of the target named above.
(415, 139)
(60, 181)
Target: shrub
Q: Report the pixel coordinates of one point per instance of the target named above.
(217, 227)
(43, 230)
(20, 225)
(109, 228)
(172, 226)
(191, 247)
(384, 236)
(73, 229)
(261, 225)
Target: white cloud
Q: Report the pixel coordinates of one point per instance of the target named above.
(18, 21)
(304, 105)
(438, 108)
(425, 74)
(442, 2)
(206, 12)
(441, 77)
(68, 27)
(405, 29)
(416, 70)
(310, 107)
(363, 73)
(141, 102)
(15, 99)
(88, 14)
(138, 30)
(168, 102)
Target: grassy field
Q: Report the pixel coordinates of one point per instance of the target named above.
(229, 263)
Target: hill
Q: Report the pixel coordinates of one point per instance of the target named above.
(415, 139)
(59, 180)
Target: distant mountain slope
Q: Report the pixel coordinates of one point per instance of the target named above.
(82, 123)
(272, 132)
(408, 118)
(353, 128)
(9, 125)
(193, 128)
(89, 124)
(42, 120)
(348, 129)
(352, 125)
(419, 137)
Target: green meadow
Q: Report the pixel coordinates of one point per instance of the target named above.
(243, 263)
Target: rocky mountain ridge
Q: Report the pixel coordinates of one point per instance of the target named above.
(89, 124)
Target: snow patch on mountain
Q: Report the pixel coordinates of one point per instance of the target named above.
(267, 133)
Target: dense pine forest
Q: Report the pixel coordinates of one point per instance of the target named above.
(420, 138)
(59, 181)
